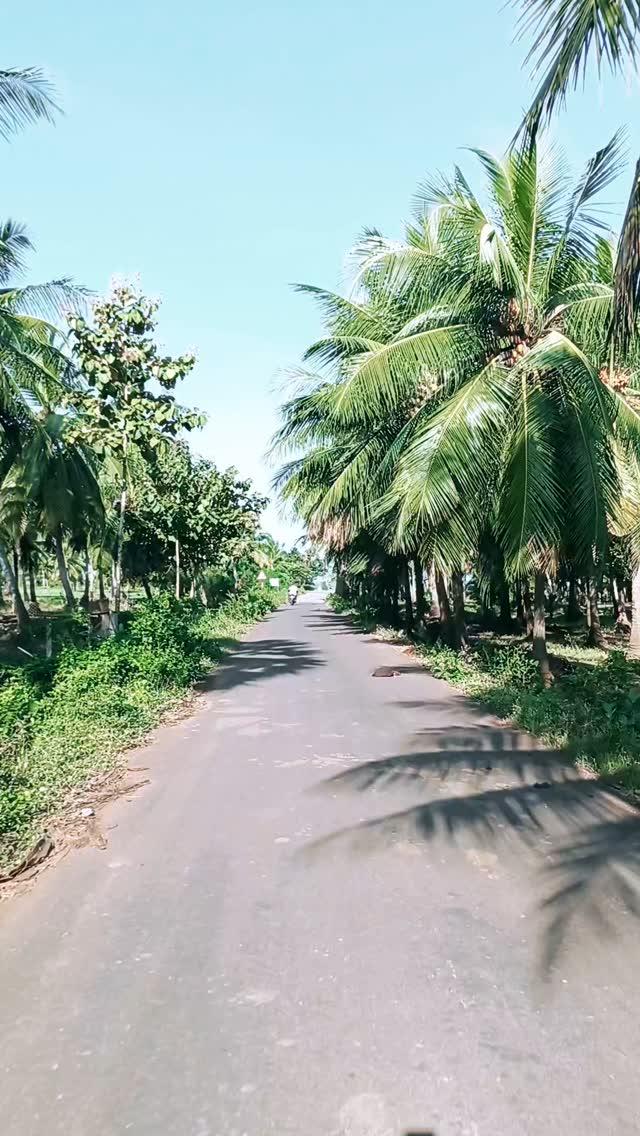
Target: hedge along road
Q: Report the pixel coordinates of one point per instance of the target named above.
(322, 917)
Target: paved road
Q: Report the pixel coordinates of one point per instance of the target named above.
(320, 919)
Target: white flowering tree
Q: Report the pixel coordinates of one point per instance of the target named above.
(116, 409)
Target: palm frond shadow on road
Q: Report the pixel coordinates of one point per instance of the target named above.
(588, 843)
(253, 662)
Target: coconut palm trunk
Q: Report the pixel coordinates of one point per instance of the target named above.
(459, 618)
(540, 630)
(528, 609)
(505, 606)
(420, 597)
(434, 607)
(117, 579)
(444, 607)
(19, 608)
(25, 573)
(573, 613)
(520, 612)
(33, 595)
(634, 641)
(70, 599)
(394, 590)
(86, 578)
(101, 589)
(619, 606)
(595, 638)
(341, 580)
(613, 593)
(406, 587)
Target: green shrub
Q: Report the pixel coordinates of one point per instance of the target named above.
(19, 805)
(68, 718)
(593, 712)
(513, 664)
(18, 698)
(339, 603)
(164, 620)
(445, 663)
(80, 672)
(365, 614)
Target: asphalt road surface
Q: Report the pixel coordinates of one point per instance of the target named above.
(323, 918)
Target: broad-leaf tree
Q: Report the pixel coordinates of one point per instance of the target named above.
(117, 408)
(186, 510)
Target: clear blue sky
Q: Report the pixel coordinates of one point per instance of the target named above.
(223, 150)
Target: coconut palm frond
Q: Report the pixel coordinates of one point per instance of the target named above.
(627, 271)
(567, 35)
(25, 96)
(47, 301)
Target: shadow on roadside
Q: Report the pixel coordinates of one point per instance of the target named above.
(328, 620)
(260, 660)
(495, 787)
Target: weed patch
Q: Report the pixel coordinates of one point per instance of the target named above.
(592, 711)
(67, 719)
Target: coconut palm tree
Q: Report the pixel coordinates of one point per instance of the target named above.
(265, 552)
(348, 447)
(34, 371)
(62, 483)
(31, 363)
(12, 511)
(566, 37)
(59, 480)
(537, 413)
(475, 386)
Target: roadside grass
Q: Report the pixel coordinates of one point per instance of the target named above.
(592, 711)
(66, 720)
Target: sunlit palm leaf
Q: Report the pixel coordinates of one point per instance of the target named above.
(351, 489)
(570, 33)
(627, 271)
(584, 312)
(45, 301)
(451, 452)
(344, 316)
(377, 381)
(531, 515)
(601, 170)
(589, 476)
(25, 95)
(304, 420)
(335, 349)
(60, 478)
(14, 243)
(625, 516)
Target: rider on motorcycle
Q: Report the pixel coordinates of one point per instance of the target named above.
(293, 593)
